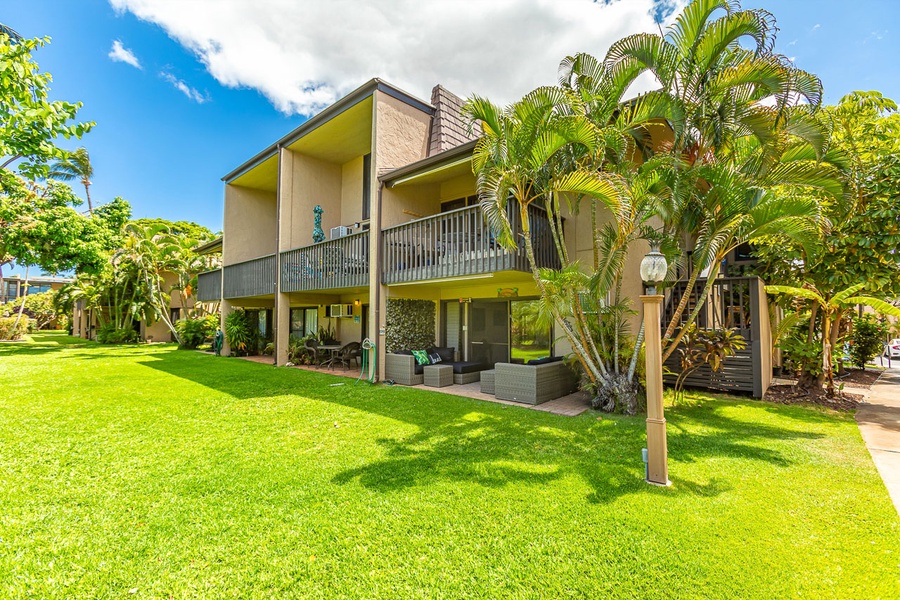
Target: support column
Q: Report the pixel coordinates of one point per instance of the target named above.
(226, 310)
(282, 316)
(657, 450)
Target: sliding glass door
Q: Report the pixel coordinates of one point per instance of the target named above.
(489, 331)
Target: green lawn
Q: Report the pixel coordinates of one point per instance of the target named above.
(170, 473)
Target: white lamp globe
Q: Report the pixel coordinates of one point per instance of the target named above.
(654, 266)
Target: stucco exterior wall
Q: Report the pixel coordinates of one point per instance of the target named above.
(351, 191)
(458, 187)
(401, 133)
(305, 183)
(403, 204)
(249, 226)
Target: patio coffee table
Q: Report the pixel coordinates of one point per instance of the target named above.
(438, 375)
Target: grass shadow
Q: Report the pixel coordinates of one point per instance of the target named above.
(460, 439)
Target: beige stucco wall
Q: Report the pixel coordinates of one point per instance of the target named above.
(249, 226)
(458, 187)
(403, 204)
(305, 183)
(351, 191)
(402, 133)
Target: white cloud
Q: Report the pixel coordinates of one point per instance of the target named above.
(120, 53)
(815, 28)
(184, 88)
(305, 55)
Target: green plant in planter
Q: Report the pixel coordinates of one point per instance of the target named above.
(240, 331)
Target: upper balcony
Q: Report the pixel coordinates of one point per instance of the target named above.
(460, 243)
(335, 264)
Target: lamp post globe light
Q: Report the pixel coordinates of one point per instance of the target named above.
(653, 272)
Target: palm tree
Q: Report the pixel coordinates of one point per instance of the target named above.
(517, 159)
(76, 165)
(739, 131)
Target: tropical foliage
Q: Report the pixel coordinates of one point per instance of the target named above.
(832, 309)
(137, 284)
(722, 154)
(29, 122)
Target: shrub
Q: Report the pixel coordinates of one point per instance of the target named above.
(240, 331)
(110, 334)
(409, 324)
(40, 307)
(197, 330)
(866, 340)
(8, 323)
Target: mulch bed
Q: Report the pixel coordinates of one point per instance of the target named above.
(844, 400)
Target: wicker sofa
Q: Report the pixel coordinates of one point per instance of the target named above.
(533, 383)
(401, 367)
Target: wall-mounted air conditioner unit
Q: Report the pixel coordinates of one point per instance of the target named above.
(340, 231)
(339, 311)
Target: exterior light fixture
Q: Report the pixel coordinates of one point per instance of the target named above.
(654, 268)
(653, 272)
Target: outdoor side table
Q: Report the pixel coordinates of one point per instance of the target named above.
(487, 381)
(438, 375)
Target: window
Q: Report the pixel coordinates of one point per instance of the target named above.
(367, 184)
(174, 314)
(459, 203)
(39, 288)
(530, 340)
(304, 321)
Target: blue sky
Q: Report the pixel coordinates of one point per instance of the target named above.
(248, 70)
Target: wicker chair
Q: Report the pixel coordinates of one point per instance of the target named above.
(349, 352)
(316, 356)
(532, 384)
(401, 368)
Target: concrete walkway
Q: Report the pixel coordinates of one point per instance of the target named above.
(879, 423)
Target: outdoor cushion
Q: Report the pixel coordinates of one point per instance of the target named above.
(404, 352)
(545, 360)
(419, 369)
(421, 357)
(435, 358)
(446, 353)
(468, 367)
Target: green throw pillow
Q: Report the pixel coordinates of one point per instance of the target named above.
(421, 357)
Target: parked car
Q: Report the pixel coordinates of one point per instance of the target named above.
(892, 348)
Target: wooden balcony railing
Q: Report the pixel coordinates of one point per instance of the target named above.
(460, 243)
(250, 278)
(209, 286)
(340, 263)
(737, 303)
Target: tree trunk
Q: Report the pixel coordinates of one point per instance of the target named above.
(685, 298)
(835, 334)
(21, 306)
(87, 192)
(827, 370)
(593, 371)
(694, 314)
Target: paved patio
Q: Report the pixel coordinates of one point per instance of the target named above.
(569, 406)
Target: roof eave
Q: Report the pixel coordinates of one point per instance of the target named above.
(351, 99)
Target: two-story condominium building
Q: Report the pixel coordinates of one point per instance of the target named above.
(389, 179)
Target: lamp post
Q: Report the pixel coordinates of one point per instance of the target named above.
(653, 272)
